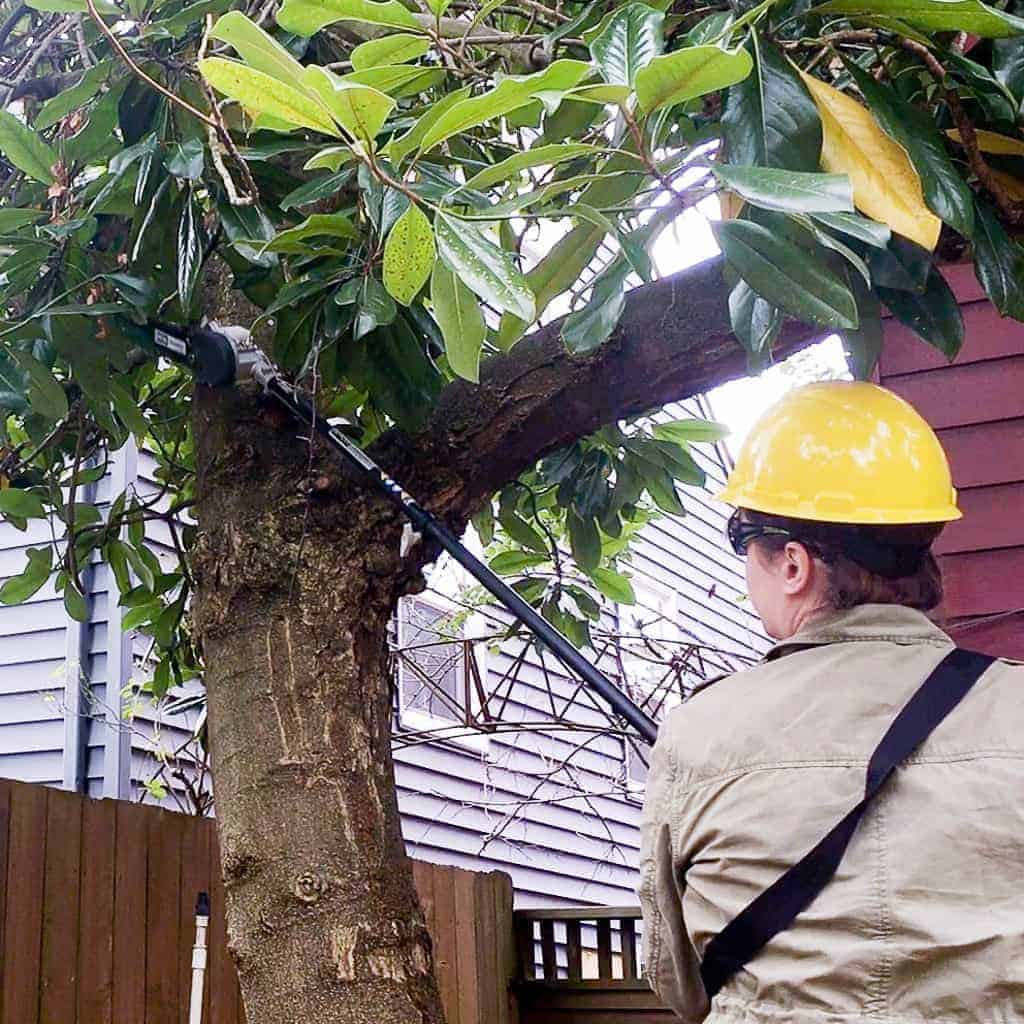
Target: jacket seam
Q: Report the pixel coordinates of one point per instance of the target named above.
(881, 974)
(657, 925)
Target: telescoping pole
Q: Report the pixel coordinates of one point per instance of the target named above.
(195, 1005)
(218, 361)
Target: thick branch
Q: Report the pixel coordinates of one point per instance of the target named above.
(674, 341)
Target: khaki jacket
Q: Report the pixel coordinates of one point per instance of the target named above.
(924, 920)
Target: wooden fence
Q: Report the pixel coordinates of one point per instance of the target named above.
(97, 918)
(588, 970)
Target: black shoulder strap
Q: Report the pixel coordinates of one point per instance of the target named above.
(778, 906)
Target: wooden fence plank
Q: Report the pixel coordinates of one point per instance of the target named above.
(526, 946)
(604, 948)
(629, 960)
(449, 977)
(466, 946)
(574, 950)
(130, 911)
(163, 889)
(195, 878)
(58, 967)
(548, 950)
(507, 1010)
(26, 856)
(5, 830)
(96, 919)
(488, 975)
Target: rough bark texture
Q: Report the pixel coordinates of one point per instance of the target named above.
(295, 587)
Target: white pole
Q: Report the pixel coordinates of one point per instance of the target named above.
(195, 1007)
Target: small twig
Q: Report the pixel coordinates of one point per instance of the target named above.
(83, 48)
(35, 57)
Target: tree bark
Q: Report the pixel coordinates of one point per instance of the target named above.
(296, 583)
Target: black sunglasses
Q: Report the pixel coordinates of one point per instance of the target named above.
(741, 534)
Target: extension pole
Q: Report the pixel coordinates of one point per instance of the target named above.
(195, 1006)
(218, 361)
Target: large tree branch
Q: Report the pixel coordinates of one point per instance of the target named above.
(673, 341)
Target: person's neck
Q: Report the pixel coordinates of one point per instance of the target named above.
(804, 614)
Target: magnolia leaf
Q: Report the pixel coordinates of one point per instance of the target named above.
(409, 255)
(396, 49)
(885, 185)
(936, 15)
(335, 225)
(261, 93)
(484, 267)
(991, 142)
(46, 394)
(397, 80)
(856, 226)
(789, 191)
(769, 118)
(329, 159)
(185, 159)
(862, 345)
(783, 273)
(755, 322)
(689, 73)
(190, 251)
(591, 326)
(26, 150)
(20, 504)
(12, 218)
(690, 430)
(359, 109)
(438, 7)
(376, 307)
(509, 94)
(74, 603)
(307, 17)
(397, 149)
(461, 321)
(933, 315)
(32, 579)
(510, 563)
(584, 540)
(541, 156)
(627, 41)
(613, 585)
(999, 262)
(943, 186)
(258, 48)
(58, 107)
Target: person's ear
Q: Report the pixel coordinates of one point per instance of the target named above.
(797, 569)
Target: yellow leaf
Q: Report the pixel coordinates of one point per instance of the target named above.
(992, 142)
(885, 185)
(1013, 187)
(409, 255)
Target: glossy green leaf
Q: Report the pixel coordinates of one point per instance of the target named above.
(23, 148)
(769, 118)
(258, 48)
(359, 109)
(1008, 64)
(185, 159)
(853, 224)
(58, 107)
(944, 188)
(783, 274)
(935, 15)
(933, 315)
(21, 504)
(12, 218)
(261, 93)
(190, 250)
(438, 7)
(398, 80)
(398, 149)
(541, 156)
(509, 94)
(522, 532)
(330, 158)
(74, 603)
(396, 49)
(511, 563)
(614, 586)
(788, 191)
(687, 74)
(317, 189)
(32, 578)
(999, 262)
(331, 225)
(461, 321)
(189, 19)
(585, 541)
(629, 40)
(307, 17)
(376, 308)
(591, 326)
(483, 267)
(863, 344)
(756, 324)
(690, 430)
(409, 255)
(46, 394)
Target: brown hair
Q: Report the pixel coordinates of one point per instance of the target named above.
(855, 557)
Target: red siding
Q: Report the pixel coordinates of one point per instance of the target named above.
(977, 405)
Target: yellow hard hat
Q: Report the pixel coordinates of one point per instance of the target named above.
(844, 452)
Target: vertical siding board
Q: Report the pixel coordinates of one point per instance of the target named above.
(23, 918)
(96, 920)
(130, 913)
(61, 893)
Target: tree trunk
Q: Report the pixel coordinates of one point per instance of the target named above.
(297, 575)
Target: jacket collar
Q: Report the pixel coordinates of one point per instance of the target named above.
(891, 622)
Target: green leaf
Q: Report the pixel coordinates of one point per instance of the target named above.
(933, 315)
(258, 48)
(128, 410)
(863, 345)
(25, 150)
(862, 228)
(21, 504)
(12, 218)
(709, 29)
(755, 322)
(614, 586)
(541, 156)
(396, 49)
(46, 395)
(629, 40)
(461, 321)
(510, 93)
(510, 563)
(482, 266)
(999, 262)
(662, 489)
(185, 159)
(398, 149)
(523, 533)
(333, 225)
(397, 80)
(690, 430)
(261, 93)
(789, 191)
(1008, 64)
(935, 15)
(70, 6)
(944, 188)
(307, 17)
(359, 109)
(58, 107)
(32, 579)
(331, 158)
(409, 255)
(376, 307)
(769, 118)
(317, 189)
(74, 603)
(687, 74)
(591, 326)
(784, 274)
(190, 250)
(190, 17)
(585, 541)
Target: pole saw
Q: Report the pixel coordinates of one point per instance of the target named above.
(219, 358)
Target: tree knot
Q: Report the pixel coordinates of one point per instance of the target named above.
(310, 887)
